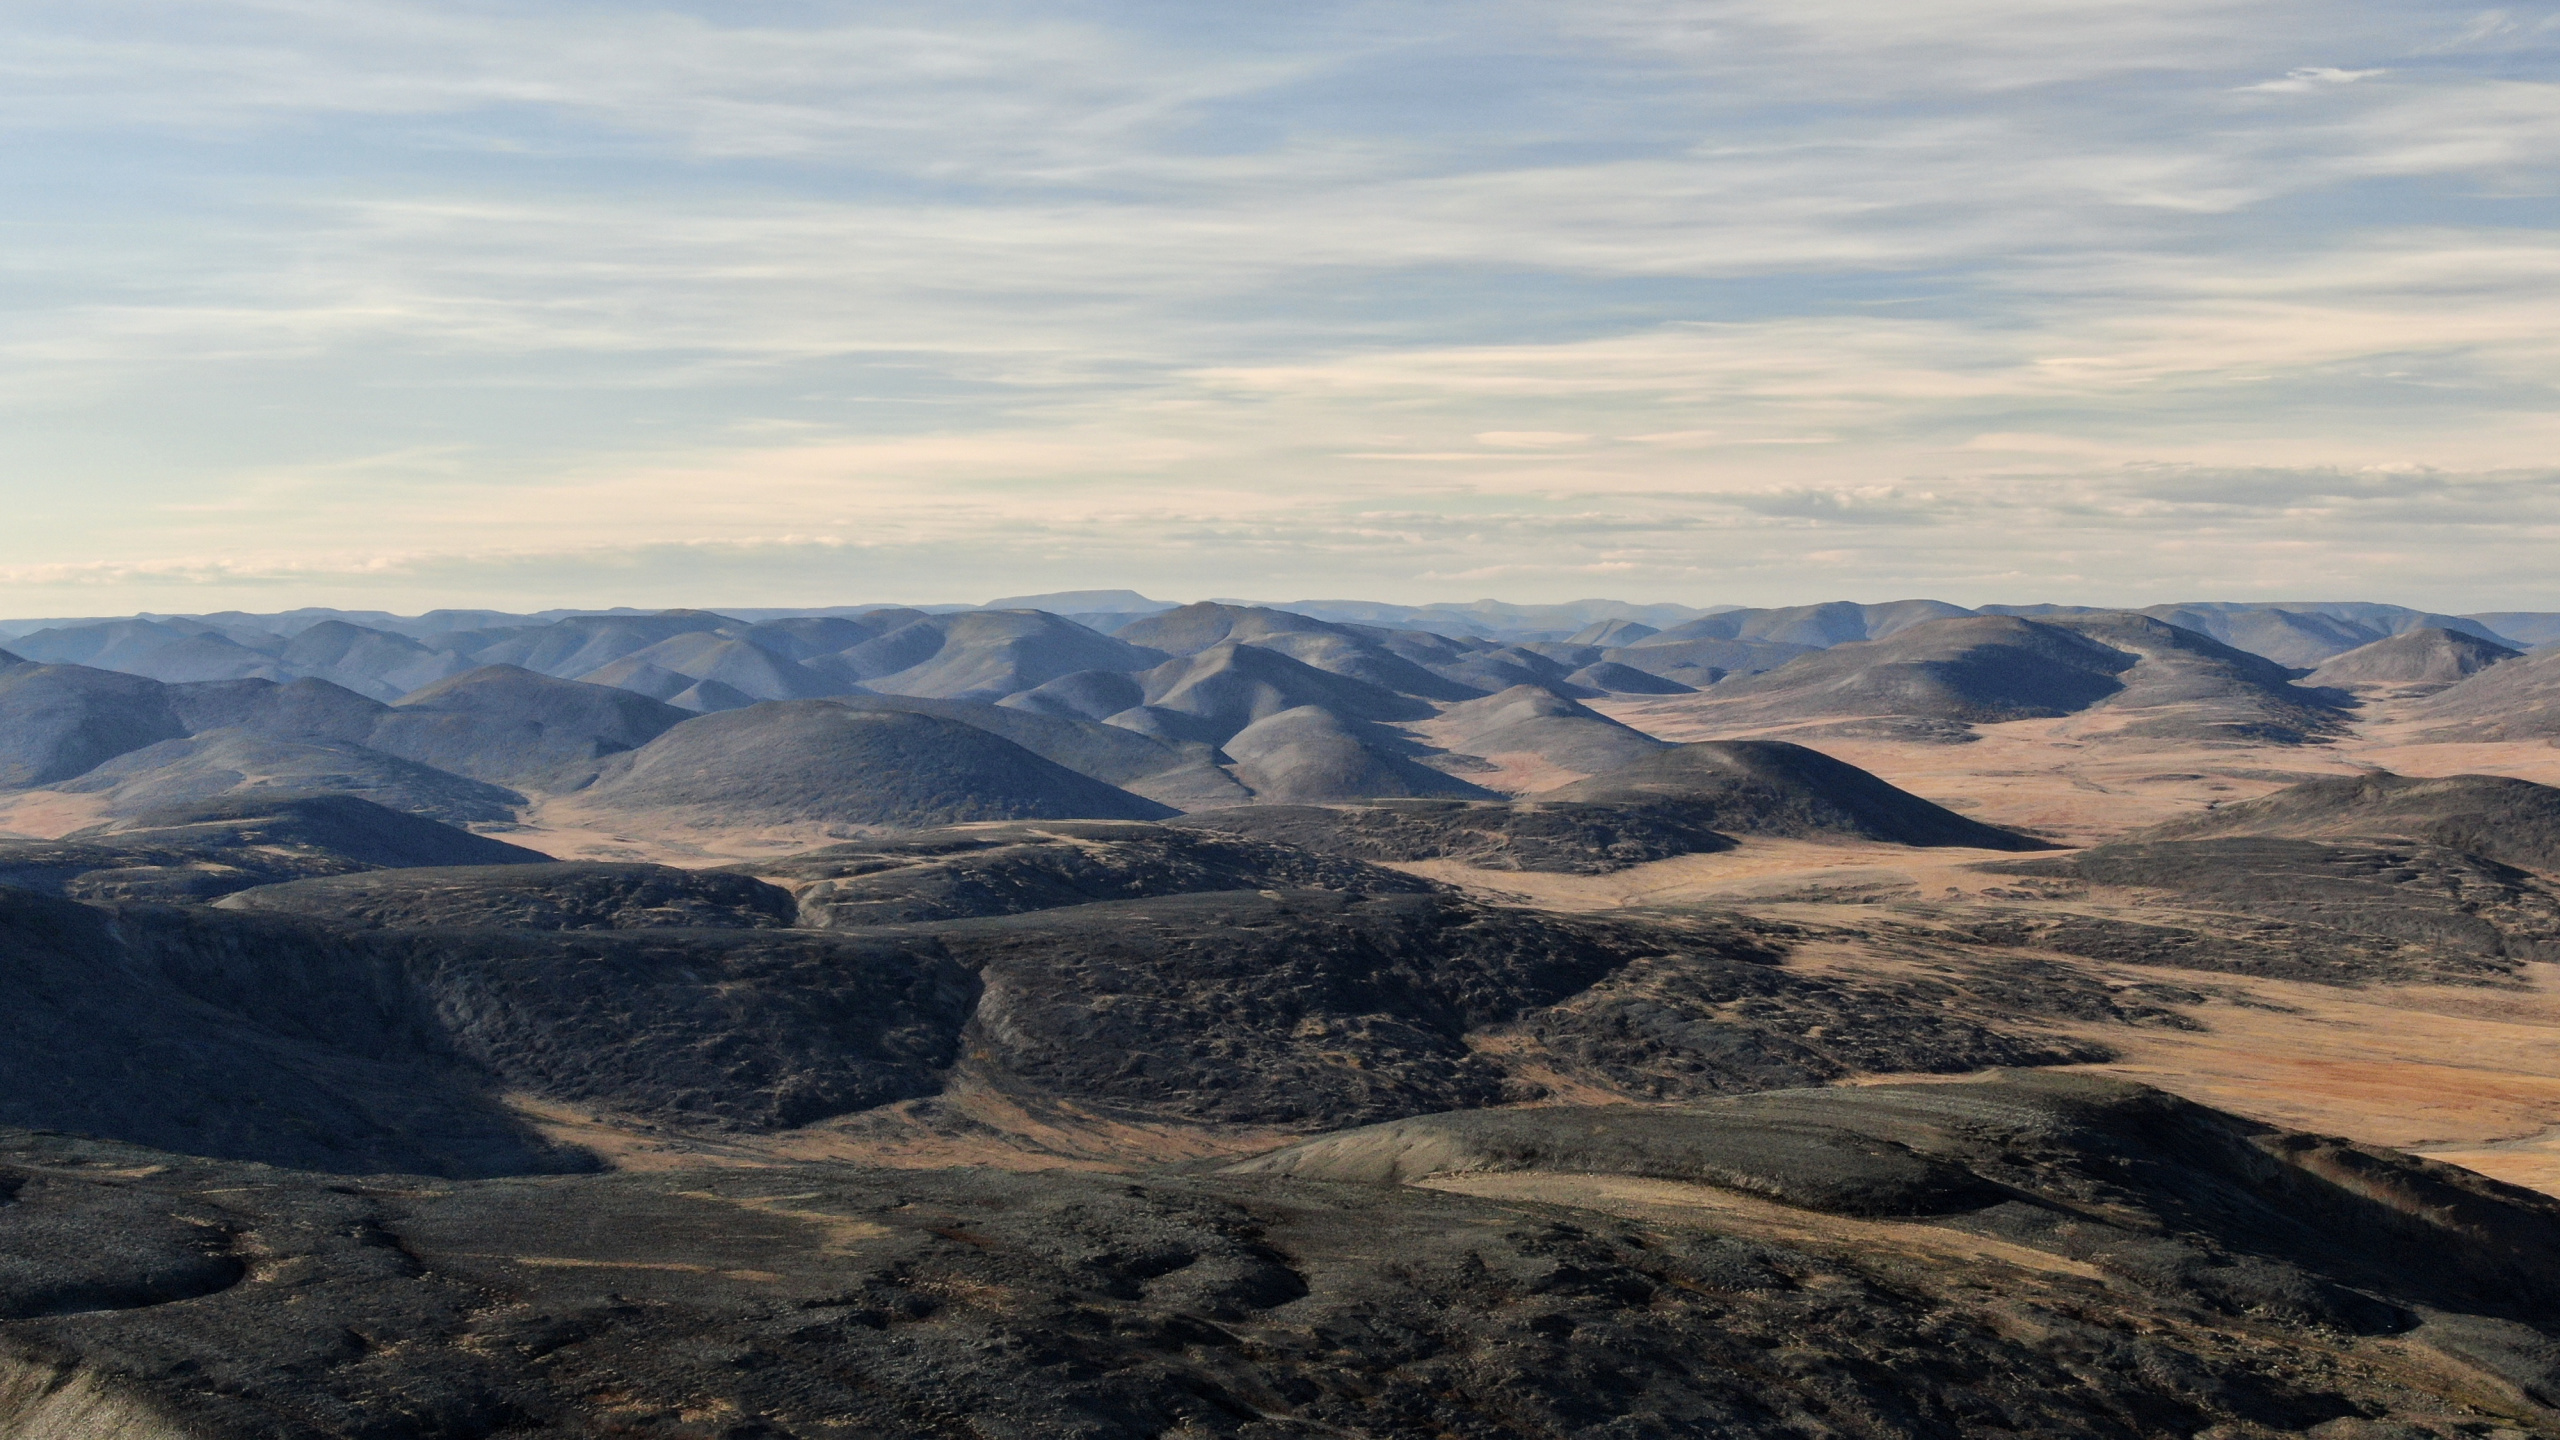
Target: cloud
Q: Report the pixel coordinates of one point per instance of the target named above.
(1530, 439)
(2304, 79)
(1684, 291)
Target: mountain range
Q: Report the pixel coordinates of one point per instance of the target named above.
(1146, 709)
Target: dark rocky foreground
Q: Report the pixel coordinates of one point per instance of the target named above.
(981, 870)
(2339, 912)
(1551, 836)
(351, 1046)
(563, 895)
(2072, 1259)
(1439, 1249)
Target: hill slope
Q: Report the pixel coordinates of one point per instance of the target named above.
(57, 721)
(556, 896)
(1180, 774)
(133, 1025)
(2519, 700)
(197, 852)
(815, 760)
(1310, 754)
(2151, 681)
(2513, 821)
(1541, 737)
(2415, 662)
(1046, 865)
(239, 762)
(2189, 686)
(512, 727)
(1771, 787)
(1969, 671)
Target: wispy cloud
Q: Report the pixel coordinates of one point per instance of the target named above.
(1681, 291)
(2306, 78)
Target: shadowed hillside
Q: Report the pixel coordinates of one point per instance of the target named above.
(2504, 819)
(513, 727)
(577, 896)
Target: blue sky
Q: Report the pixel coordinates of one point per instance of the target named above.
(401, 305)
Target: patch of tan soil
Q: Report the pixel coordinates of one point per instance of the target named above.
(1733, 1213)
(48, 814)
(970, 1123)
(2044, 777)
(1758, 871)
(1515, 772)
(561, 826)
(2065, 781)
(2468, 1075)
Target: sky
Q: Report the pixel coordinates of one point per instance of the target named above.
(398, 305)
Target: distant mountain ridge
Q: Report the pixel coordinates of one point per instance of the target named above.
(2301, 626)
(468, 716)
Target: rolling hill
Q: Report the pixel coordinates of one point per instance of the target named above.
(818, 761)
(1770, 787)
(58, 721)
(1969, 671)
(2505, 819)
(2413, 662)
(240, 762)
(513, 727)
(2517, 700)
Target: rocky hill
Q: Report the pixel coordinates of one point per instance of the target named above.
(812, 760)
(2414, 662)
